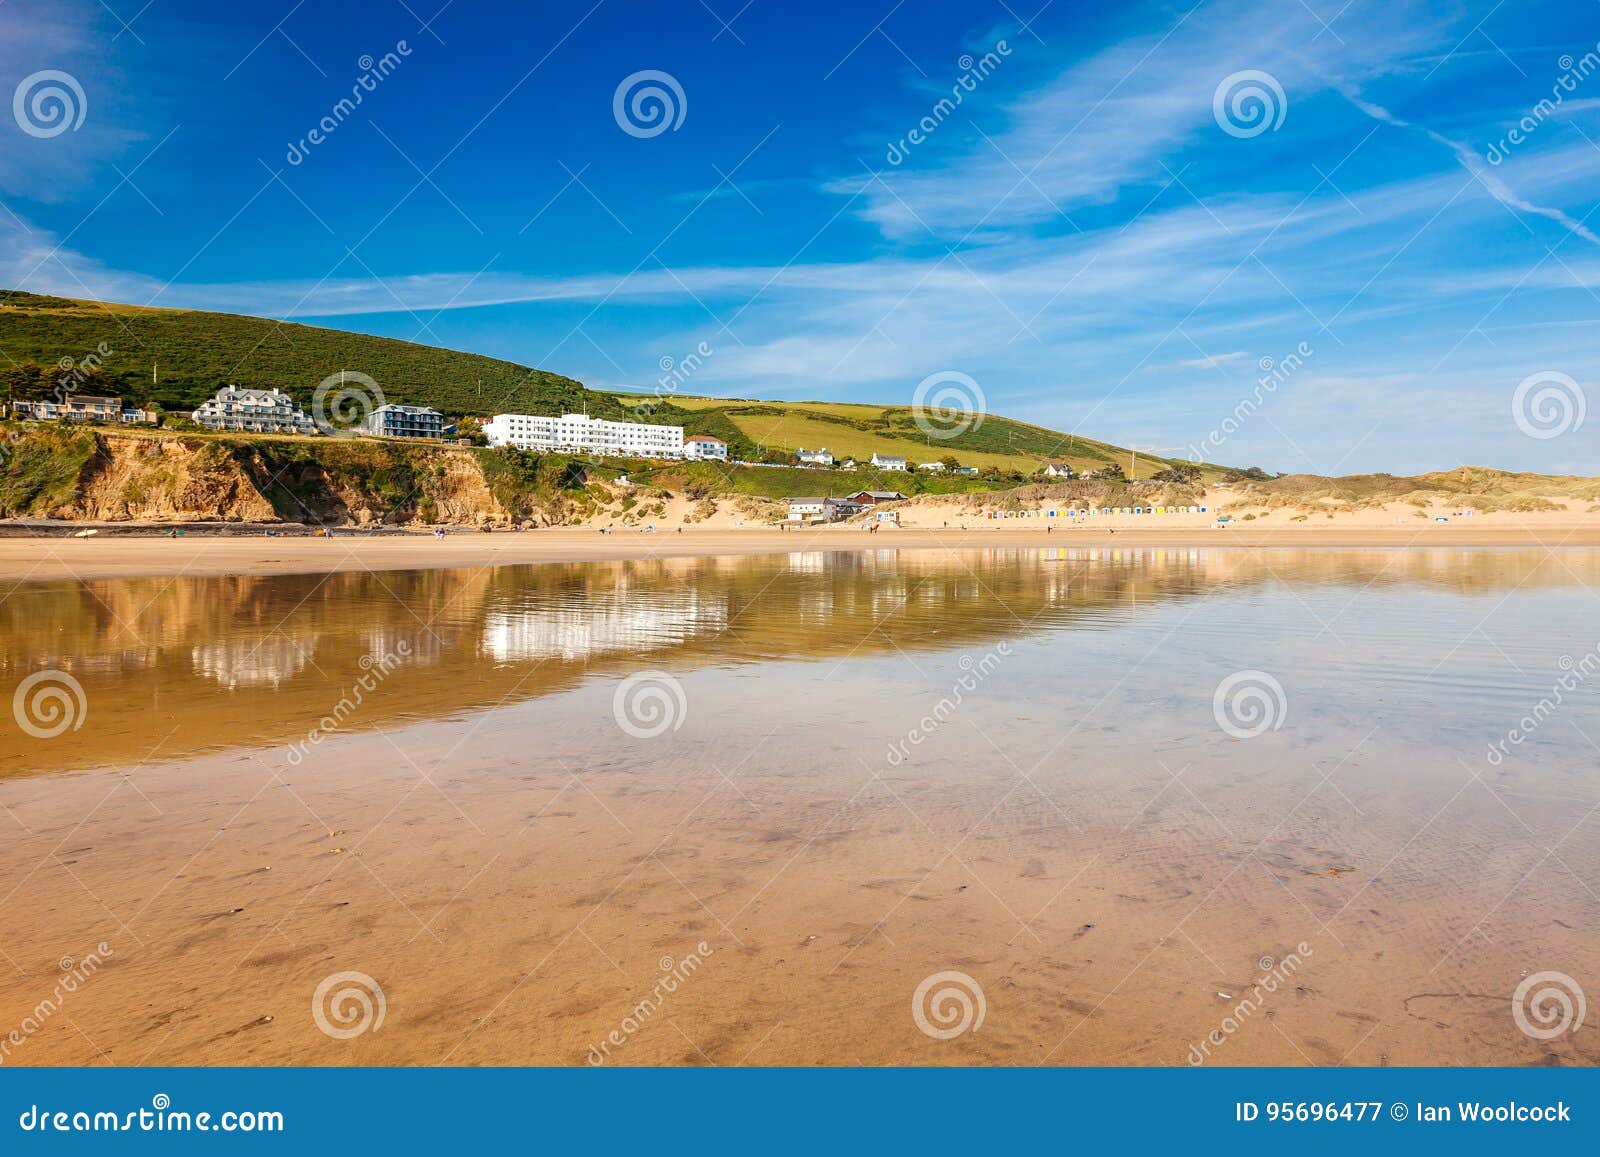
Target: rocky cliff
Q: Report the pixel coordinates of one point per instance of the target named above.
(49, 471)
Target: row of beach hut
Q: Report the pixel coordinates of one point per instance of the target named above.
(1096, 511)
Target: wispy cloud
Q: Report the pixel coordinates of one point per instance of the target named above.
(1213, 361)
(1480, 169)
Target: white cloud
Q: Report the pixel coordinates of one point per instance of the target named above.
(1213, 361)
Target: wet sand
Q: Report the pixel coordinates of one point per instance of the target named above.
(516, 872)
(119, 555)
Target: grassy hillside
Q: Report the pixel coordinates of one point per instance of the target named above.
(193, 352)
(851, 430)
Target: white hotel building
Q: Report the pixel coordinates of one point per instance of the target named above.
(583, 434)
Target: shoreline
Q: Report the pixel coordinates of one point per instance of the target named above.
(126, 553)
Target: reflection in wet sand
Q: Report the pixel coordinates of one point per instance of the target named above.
(884, 766)
(266, 651)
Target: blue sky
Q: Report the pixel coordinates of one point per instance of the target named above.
(1094, 235)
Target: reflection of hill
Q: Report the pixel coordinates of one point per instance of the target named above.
(255, 660)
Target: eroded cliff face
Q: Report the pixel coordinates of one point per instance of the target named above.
(94, 475)
(163, 480)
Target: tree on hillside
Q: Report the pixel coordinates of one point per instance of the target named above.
(1183, 472)
(1252, 474)
(27, 382)
(950, 463)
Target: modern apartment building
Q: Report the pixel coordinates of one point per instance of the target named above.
(579, 433)
(239, 410)
(394, 421)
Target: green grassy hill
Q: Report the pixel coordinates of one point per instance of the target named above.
(194, 352)
(851, 430)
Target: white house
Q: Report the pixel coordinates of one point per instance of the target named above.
(240, 410)
(82, 407)
(932, 467)
(819, 457)
(704, 446)
(583, 434)
(888, 462)
(805, 509)
(1059, 470)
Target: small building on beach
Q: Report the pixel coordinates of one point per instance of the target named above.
(873, 497)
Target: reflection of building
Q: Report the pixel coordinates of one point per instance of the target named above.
(417, 646)
(809, 562)
(585, 435)
(240, 410)
(625, 620)
(265, 663)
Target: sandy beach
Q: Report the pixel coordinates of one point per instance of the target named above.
(120, 553)
(875, 767)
